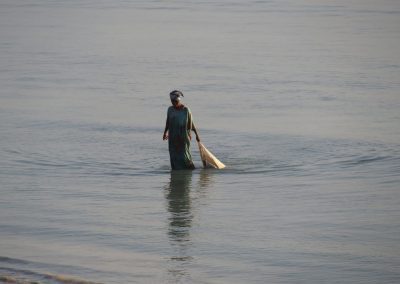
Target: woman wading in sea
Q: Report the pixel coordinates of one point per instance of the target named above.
(178, 132)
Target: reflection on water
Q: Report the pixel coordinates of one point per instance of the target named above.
(206, 178)
(180, 194)
(180, 221)
(179, 205)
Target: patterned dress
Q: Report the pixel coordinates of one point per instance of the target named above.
(180, 124)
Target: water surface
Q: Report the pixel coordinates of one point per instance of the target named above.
(299, 99)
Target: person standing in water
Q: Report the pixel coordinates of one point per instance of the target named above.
(178, 133)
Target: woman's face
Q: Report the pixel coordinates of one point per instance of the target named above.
(175, 102)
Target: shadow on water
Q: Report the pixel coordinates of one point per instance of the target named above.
(182, 194)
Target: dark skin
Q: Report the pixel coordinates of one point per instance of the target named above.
(178, 104)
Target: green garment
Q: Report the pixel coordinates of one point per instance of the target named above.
(179, 126)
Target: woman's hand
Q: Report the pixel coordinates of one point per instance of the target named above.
(165, 136)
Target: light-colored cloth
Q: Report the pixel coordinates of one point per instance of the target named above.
(208, 158)
(180, 124)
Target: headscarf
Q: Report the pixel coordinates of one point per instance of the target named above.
(176, 95)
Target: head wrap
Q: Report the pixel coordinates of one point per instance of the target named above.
(176, 95)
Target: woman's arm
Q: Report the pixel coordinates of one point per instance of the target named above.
(165, 136)
(195, 132)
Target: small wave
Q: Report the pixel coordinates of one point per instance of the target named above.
(42, 163)
(264, 166)
(361, 160)
(20, 276)
(24, 275)
(12, 260)
(91, 127)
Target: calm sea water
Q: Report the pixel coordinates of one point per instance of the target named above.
(300, 99)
